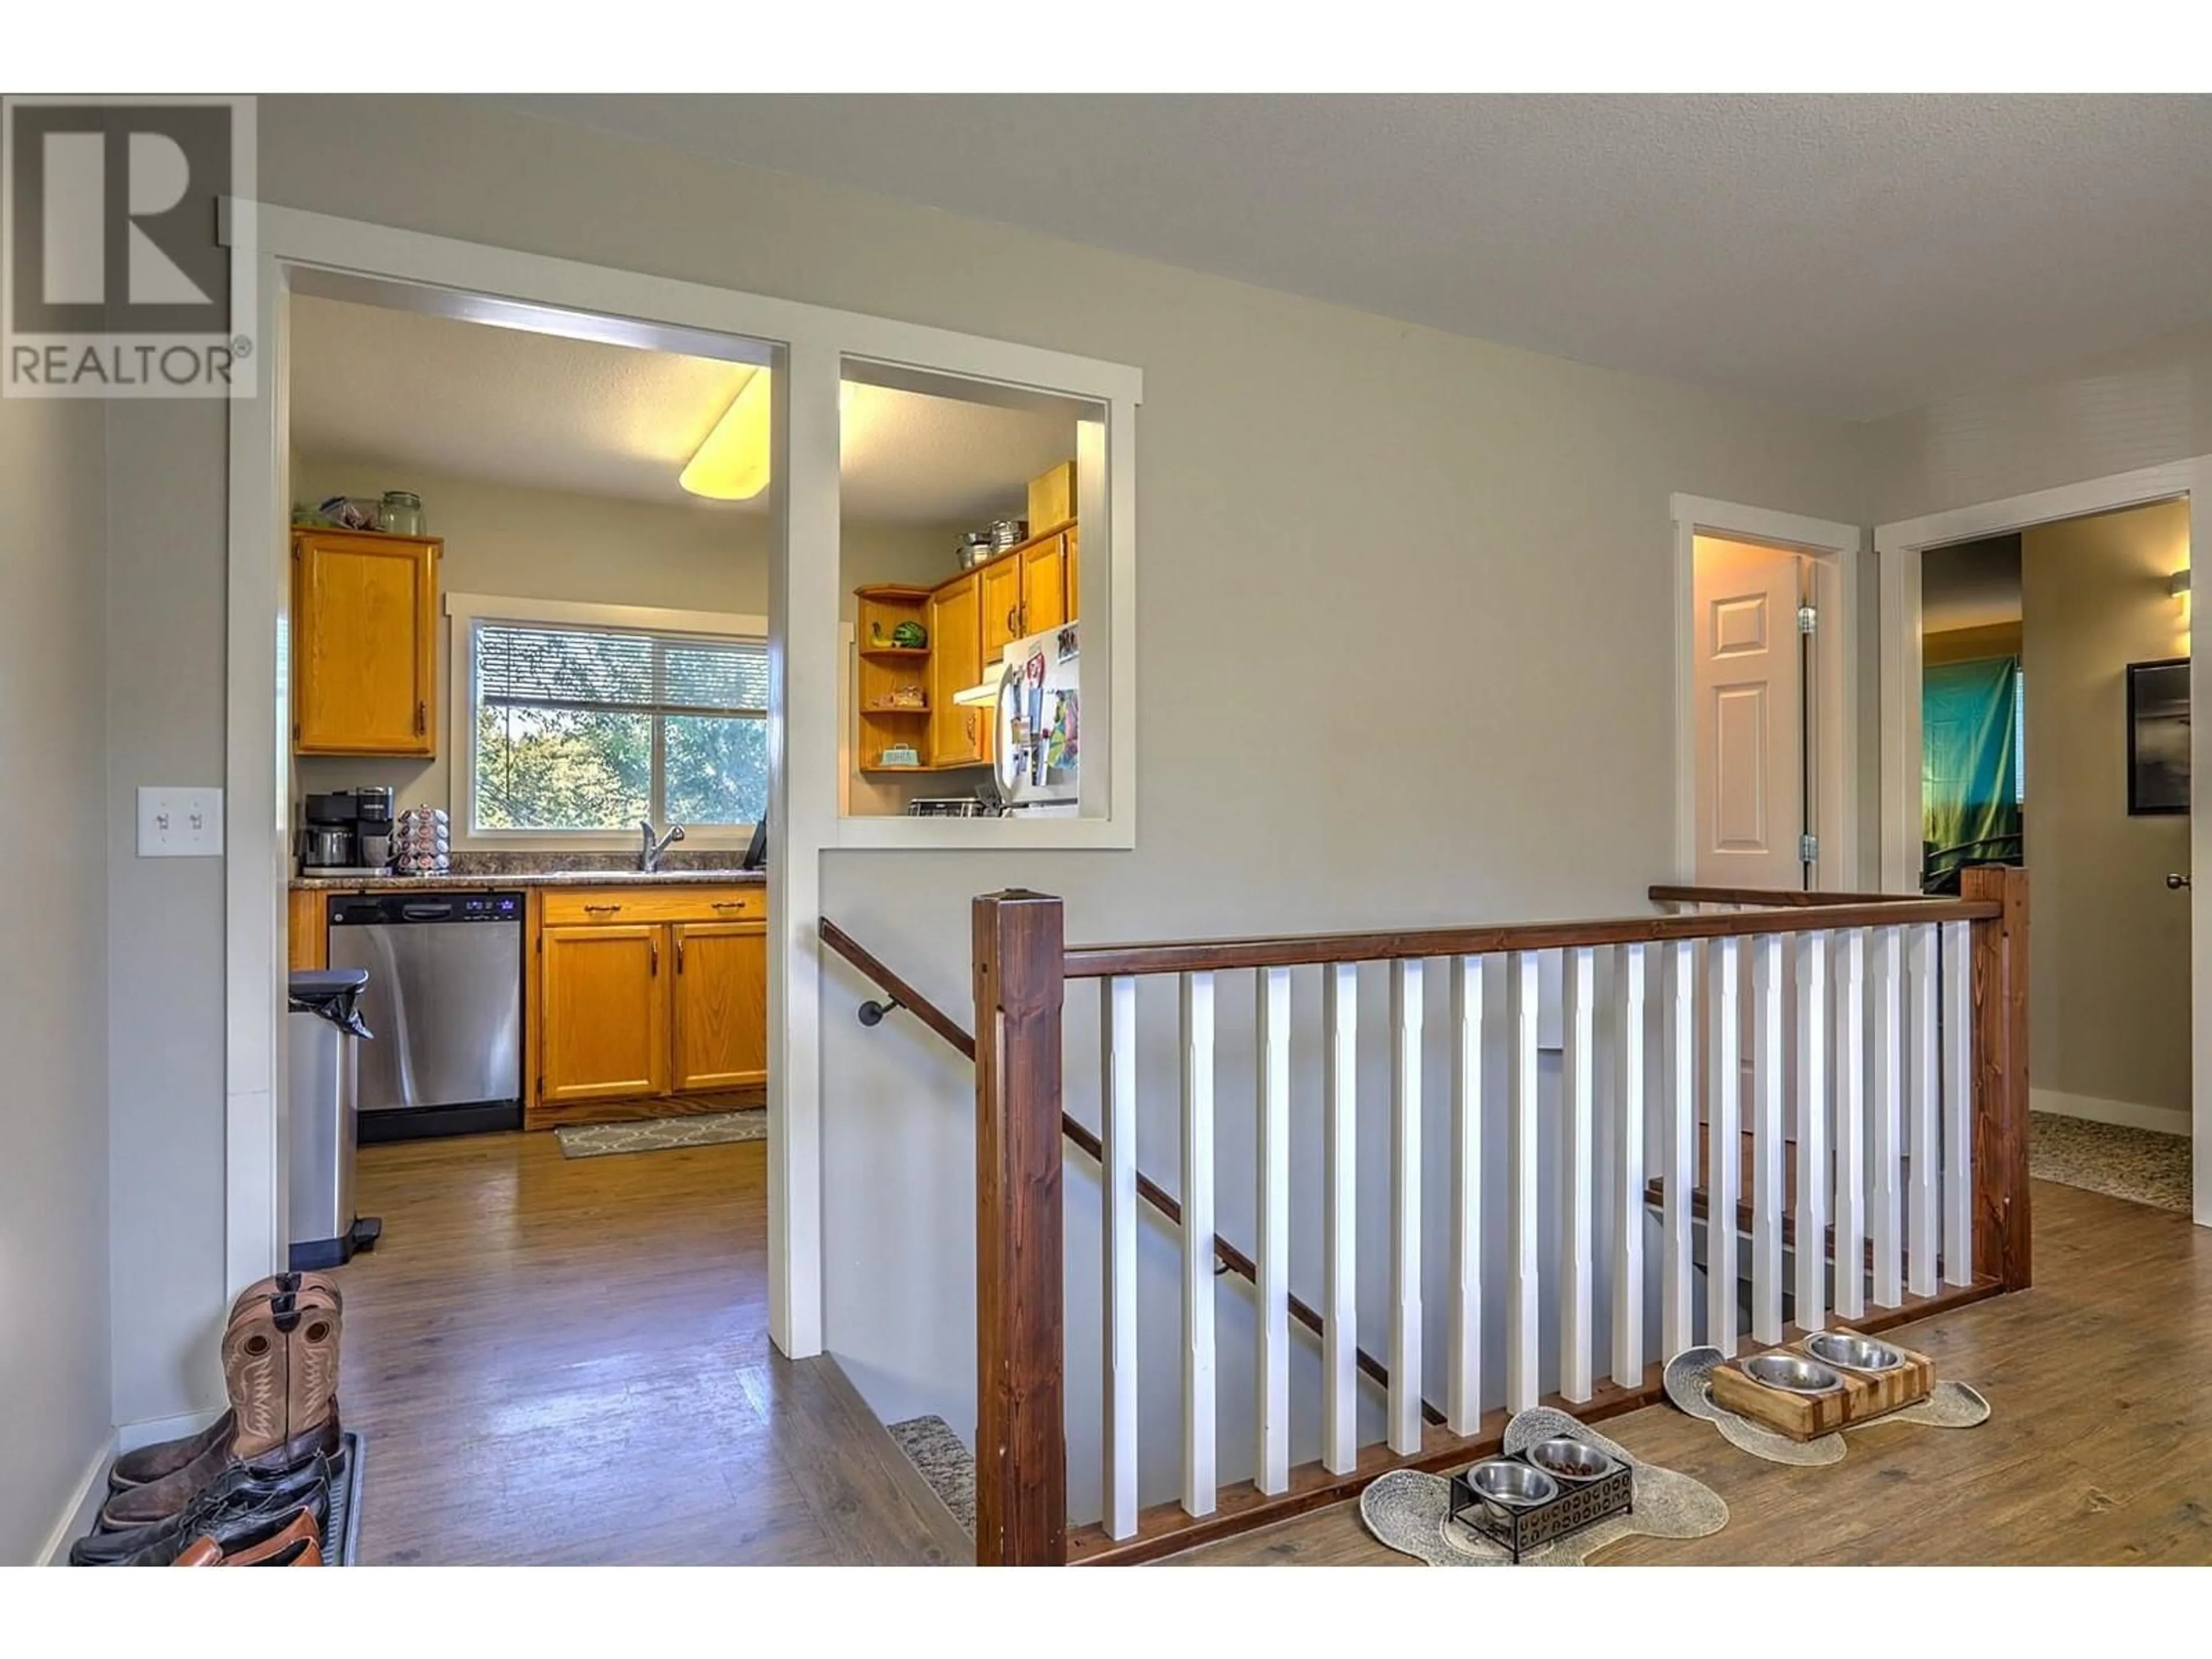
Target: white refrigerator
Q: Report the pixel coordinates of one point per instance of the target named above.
(1037, 754)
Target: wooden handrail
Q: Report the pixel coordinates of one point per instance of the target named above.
(907, 997)
(1296, 951)
(1774, 899)
(1151, 1191)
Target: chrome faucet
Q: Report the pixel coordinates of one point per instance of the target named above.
(648, 855)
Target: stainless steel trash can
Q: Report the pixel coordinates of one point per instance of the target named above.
(322, 1032)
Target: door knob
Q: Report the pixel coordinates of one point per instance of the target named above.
(2177, 882)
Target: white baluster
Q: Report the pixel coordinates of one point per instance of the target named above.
(1851, 1125)
(1812, 1130)
(1679, 1040)
(1723, 1146)
(1578, 1136)
(1766, 1194)
(1340, 1376)
(1923, 1217)
(1522, 1145)
(1958, 1107)
(1118, 1210)
(1199, 1485)
(1886, 1142)
(1628, 1170)
(1463, 1402)
(1272, 1252)
(1404, 1409)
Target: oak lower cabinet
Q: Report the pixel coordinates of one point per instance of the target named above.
(647, 1000)
(720, 993)
(604, 1034)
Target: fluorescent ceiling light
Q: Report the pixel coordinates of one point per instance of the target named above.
(732, 463)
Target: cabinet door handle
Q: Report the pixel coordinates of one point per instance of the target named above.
(680, 955)
(1014, 620)
(422, 717)
(729, 904)
(653, 946)
(601, 909)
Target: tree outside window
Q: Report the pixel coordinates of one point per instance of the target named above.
(591, 729)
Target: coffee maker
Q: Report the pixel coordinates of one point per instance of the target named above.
(346, 832)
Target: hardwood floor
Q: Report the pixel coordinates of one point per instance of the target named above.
(2109, 1462)
(565, 1361)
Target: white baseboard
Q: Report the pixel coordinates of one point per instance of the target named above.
(85, 1499)
(154, 1430)
(90, 1493)
(2166, 1119)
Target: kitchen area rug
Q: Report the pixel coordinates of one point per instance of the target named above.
(660, 1134)
(1410, 1512)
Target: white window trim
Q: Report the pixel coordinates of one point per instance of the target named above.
(463, 612)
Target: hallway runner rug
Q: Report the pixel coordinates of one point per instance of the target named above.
(2140, 1165)
(660, 1134)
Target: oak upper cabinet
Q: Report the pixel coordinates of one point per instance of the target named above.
(720, 993)
(1044, 584)
(364, 664)
(957, 735)
(1001, 584)
(1070, 584)
(604, 1033)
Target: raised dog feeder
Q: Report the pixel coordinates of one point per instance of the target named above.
(1830, 1380)
(1528, 1500)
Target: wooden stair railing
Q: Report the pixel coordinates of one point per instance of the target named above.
(1934, 991)
(1230, 1259)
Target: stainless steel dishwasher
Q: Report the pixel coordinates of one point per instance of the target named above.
(445, 999)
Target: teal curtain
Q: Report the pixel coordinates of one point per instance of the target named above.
(1969, 759)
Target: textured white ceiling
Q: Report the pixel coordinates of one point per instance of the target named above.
(550, 413)
(1851, 256)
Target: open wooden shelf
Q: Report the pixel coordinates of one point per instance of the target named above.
(894, 652)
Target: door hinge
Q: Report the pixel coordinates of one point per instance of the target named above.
(1808, 848)
(1808, 618)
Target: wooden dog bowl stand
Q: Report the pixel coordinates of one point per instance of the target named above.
(1865, 1395)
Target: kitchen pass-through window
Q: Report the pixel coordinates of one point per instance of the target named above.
(588, 728)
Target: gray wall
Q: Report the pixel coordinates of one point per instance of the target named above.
(1440, 568)
(2109, 965)
(53, 986)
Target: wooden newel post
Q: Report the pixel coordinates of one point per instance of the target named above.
(2002, 1245)
(1021, 1430)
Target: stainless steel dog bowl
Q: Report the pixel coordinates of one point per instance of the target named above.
(1792, 1373)
(1854, 1354)
(1570, 1460)
(1516, 1484)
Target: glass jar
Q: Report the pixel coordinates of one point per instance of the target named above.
(400, 513)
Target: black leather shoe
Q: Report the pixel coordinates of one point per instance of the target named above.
(239, 1504)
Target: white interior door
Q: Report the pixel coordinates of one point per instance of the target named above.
(1750, 715)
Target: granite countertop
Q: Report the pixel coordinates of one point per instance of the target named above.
(680, 876)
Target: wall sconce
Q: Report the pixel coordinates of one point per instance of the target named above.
(2178, 585)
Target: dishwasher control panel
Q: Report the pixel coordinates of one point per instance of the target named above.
(383, 910)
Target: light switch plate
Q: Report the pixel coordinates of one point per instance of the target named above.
(176, 823)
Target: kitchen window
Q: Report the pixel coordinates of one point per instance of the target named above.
(580, 729)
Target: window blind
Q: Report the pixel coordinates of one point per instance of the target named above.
(615, 670)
